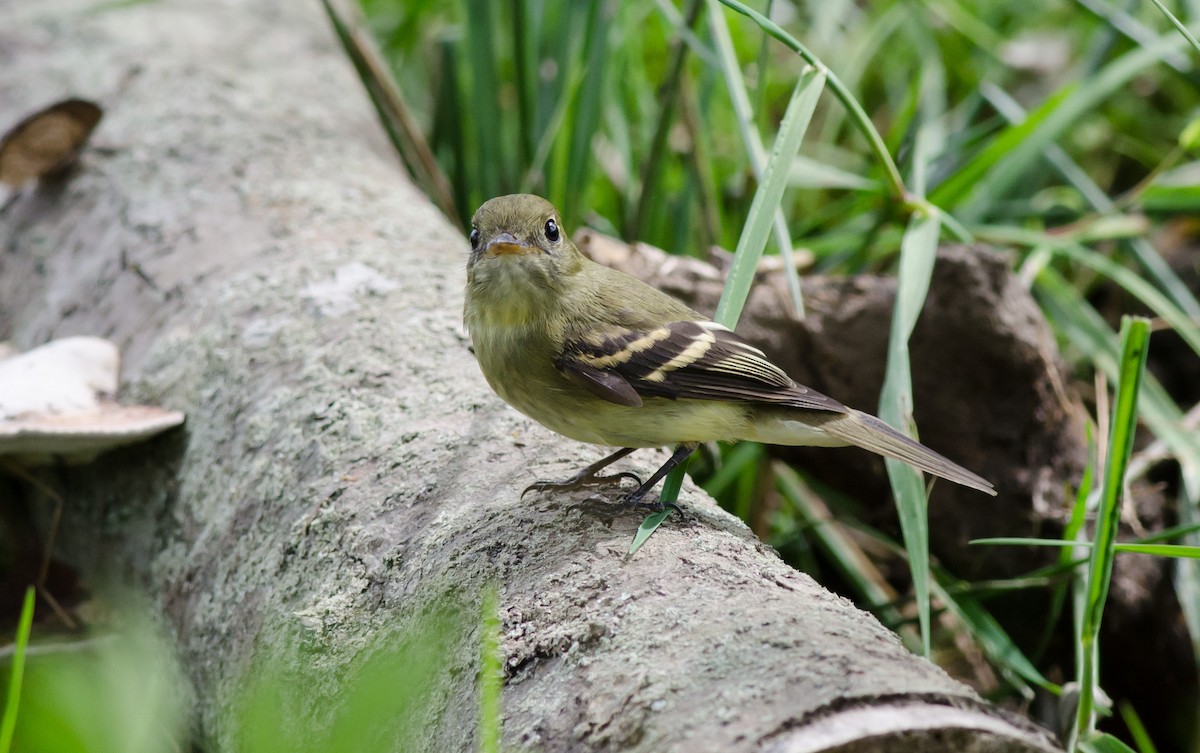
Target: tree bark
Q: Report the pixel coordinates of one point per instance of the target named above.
(241, 229)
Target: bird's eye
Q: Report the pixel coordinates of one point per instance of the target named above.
(552, 231)
(474, 237)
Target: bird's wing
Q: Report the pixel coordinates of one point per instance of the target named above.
(698, 360)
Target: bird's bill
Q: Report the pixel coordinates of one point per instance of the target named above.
(506, 244)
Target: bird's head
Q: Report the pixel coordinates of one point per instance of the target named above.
(519, 250)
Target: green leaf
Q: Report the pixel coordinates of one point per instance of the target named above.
(1158, 550)
(807, 172)
(1174, 191)
(1104, 743)
(1158, 268)
(964, 183)
(588, 105)
(742, 457)
(1137, 730)
(105, 692)
(769, 196)
(1183, 30)
(1189, 137)
(12, 703)
(993, 639)
(917, 253)
(1171, 199)
(975, 187)
(1135, 344)
(1079, 322)
(649, 526)
(858, 115)
(744, 117)
(294, 696)
(485, 89)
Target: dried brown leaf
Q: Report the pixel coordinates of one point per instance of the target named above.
(47, 141)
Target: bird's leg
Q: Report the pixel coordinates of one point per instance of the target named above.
(635, 497)
(588, 477)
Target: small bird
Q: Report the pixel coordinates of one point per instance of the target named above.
(599, 356)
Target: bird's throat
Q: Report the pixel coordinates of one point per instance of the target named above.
(505, 294)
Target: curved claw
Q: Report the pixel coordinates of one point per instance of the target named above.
(537, 486)
(616, 478)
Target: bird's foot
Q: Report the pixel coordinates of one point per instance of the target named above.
(636, 500)
(627, 504)
(580, 480)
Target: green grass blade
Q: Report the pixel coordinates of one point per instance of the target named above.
(589, 103)
(1079, 322)
(917, 252)
(1187, 574)
(680, 27)
(1011, 110)
(854, 67)
(395, 115)
(670, 493)
(969, 180)
(743, 457)
(807, 172)
(1122, 22)
(1104, 743)
(858, 115)
(1067, 555)
(383, 698)
(449, 130)
(8, 724)
(1161, 550)
(524, 39)
(975, 187)
(1178, 25)
(744, 117)
(1135, 343)
(1075, 175)
(769, 195)
(668, 98)
(650, 524)
(1157, 550)
(762, 71)
(485, 89)
(846, 556)
(993, 639)
(1137, 730)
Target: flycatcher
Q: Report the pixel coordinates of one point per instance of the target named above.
(599, 356)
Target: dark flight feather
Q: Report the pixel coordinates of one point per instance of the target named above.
(694, 360)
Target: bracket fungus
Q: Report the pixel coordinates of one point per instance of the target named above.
(58, 401)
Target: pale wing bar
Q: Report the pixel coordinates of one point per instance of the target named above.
(695, 360)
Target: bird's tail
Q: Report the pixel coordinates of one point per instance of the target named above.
(869, 432)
